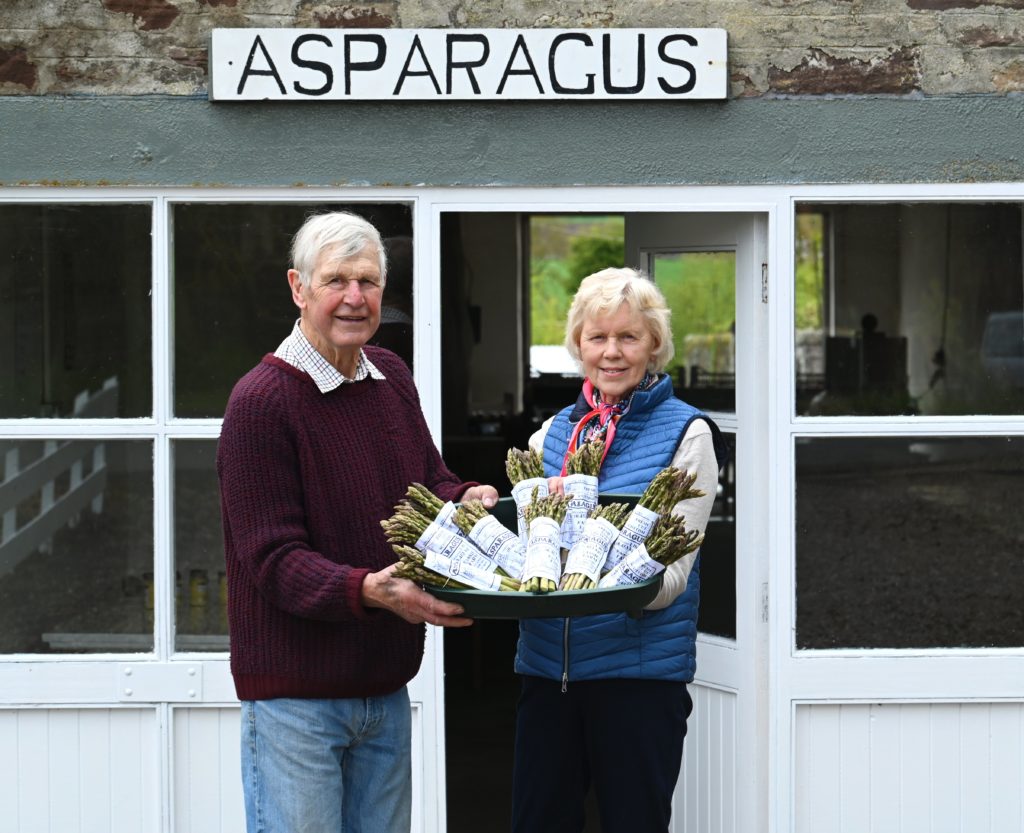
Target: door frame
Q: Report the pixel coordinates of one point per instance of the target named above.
(746, 230)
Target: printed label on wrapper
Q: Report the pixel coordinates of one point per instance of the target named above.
(499, 544)
(635, 568)
(543, 553)
(462, 571)
(635, 531)
(522, 494)
(583, 491)
(443, 541)
(446, 517)
(588, 554)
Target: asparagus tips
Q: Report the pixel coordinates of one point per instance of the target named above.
(614, 513)
(424, 501)
(523, 465)
(468, 514)
(586, 459)
(669, 487)
(670, 540)
(550, 506)
(406, 526)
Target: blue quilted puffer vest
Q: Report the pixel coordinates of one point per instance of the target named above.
(661, 644)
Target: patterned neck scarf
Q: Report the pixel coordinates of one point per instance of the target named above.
(599, 422)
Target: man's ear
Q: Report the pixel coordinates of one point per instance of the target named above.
(295, 282)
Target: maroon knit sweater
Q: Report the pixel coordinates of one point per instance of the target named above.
(305, 480)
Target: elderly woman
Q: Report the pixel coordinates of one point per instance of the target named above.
(604, 698)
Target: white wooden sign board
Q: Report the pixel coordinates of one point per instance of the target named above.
(467, 64)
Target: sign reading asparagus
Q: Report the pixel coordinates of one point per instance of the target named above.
(467, 64)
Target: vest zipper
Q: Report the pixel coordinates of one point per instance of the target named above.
(565, 654)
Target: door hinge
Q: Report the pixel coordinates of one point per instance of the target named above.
(764, 602)
(764, 283)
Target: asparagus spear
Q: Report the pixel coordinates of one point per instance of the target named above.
(522, 465)
(615, 514)
(586, 459)
(670, 540)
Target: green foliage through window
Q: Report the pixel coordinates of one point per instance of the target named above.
(564, 249)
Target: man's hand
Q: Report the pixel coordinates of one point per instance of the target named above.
(403, 598)
(487, 494)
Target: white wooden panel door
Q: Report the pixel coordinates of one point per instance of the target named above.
(909, 767)
(722, 788)
(79, 771)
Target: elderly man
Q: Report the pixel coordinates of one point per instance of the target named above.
(320, 441)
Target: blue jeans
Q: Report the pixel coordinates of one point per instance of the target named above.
(327, 766)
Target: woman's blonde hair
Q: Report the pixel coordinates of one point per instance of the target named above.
(604, 292)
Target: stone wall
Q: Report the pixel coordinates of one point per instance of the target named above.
(776, 47)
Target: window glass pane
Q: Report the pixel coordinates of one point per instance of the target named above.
(909, 309)
(564, 249)
(909, 542)
(75, 310)
(700, 289)
(717, 613)
(232, 304)
(76, 557)
(202, 623)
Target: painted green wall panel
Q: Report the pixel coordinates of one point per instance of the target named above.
(175, 141)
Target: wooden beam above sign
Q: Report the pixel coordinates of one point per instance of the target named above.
(467, 64)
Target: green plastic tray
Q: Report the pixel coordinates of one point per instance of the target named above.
(491, 604)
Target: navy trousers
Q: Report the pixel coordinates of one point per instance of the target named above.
(625, 737)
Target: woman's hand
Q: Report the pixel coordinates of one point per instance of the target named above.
(556, 486)
(487, 494)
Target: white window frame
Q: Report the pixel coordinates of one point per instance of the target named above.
(793, 677)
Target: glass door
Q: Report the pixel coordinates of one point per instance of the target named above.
(710, 268)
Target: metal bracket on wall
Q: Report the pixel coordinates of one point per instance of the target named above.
(154, 682)
(764, 283)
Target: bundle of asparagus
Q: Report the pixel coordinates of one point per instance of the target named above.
(587, 556)
(669, 541)
(523, 465)
(666, 489)
(439, 571)
(581, 470)
(488, 533)
(525, 470)
(431, 506)
(445, 549)
(544, 516)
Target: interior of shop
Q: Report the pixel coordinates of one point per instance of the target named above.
(515, 374)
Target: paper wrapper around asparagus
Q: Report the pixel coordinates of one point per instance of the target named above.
(438, 570)
(435, 554)
(488, 604)
(581, 470)
(669, 487)
(586, 559)
(543, 567)
(492, 537)
(525, 470)
(669, 541)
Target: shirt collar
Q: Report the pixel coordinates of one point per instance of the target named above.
(298, 352)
